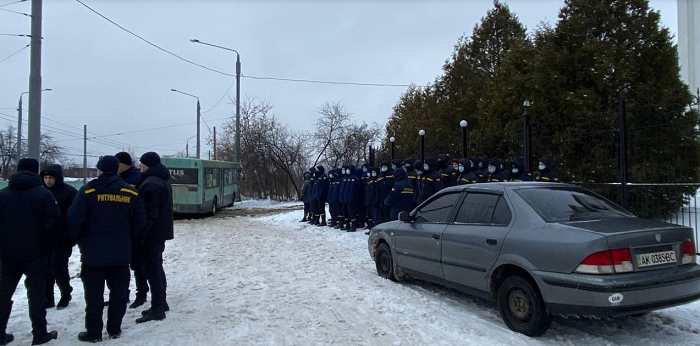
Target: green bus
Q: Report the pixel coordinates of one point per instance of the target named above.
(202, 186)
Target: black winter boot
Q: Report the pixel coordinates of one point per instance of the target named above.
(84, 336)
(312, 219)
(6, 339)
(345, 227)
(352, 227)
(305, 218)
(65, 299)
(52, 335)
(323, 221)
(140, 300)
(339, 224)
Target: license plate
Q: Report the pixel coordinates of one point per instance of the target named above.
(656, 258)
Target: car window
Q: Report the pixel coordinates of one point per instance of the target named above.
(477, 208)
(439, 209)
(502, 214)
(570, 203)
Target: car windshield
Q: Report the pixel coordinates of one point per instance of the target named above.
(557, 204)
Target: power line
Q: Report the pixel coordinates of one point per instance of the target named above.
(231, 75)
(153, 44)
(326, 82)
(12, 3)
(15, 53)
(222, 97)
(11, 11)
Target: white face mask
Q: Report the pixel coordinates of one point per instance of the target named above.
(374, 174)
(426, 167)
(384, 169)
(345, 171)
(515, 171)
(393, 167)
(460, 169)
(419, 172)
(542, 167)
(368, 174)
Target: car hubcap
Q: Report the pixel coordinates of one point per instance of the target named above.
(520, 305)
(384, 262)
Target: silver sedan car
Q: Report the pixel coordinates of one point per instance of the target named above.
(540, 249)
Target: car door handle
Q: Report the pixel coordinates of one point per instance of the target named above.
(491, 241)
(436, 236)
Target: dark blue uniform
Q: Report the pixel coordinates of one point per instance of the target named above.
(518, 172)
(131, 176)
(401, 196)
(157, 194)
(371, 196)
(305, 196)
(547, 174)
(431, 181)
(498, 175)
(29, 229)
(466, 176)
(104, 217)
(321, 195)
(386, 182)
(349, 197)
(333, 192)
(58, 261)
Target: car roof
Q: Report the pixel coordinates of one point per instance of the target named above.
(501, 186)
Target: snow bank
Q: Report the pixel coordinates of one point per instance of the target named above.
(263, 204)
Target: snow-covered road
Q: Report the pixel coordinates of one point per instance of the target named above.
(270, 280)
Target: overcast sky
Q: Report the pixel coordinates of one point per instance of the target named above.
(113, 82)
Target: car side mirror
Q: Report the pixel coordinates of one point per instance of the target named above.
(405, 216)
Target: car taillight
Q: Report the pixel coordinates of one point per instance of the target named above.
(688, 252)
(607, 262)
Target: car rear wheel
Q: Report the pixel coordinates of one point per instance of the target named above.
(522, 307)
(384, 261)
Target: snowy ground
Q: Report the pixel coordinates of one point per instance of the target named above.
(273, 281)
(263, 204)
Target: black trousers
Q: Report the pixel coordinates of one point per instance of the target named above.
(334, 210)
(320, 208)
(350, 213)
(58, 273)
(153, 263)
(138, 268)
(94, 278)
(36, 272)
(307, 209)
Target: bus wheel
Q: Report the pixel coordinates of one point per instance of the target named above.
(213, 207)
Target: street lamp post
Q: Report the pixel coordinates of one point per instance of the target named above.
(463, 125)
(199, 116)
(238, 95)
(421, 133)
(187, 146)
(19, 124)
(526, 134)
(392, 140)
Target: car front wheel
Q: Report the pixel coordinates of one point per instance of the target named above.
(384, 261)
(522, 307)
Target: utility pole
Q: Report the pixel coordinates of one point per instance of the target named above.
(34, 136)
(187, 149)
(84, 154)
(214, 142)
(19, 130)
(199, 116)
(238, 108)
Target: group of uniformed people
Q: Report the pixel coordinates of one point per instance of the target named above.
(121, 218)
(363, 197)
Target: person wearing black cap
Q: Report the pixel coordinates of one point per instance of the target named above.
(52, 176)
(105, 215)
(130, 174)
(29, 229)
(157, 194)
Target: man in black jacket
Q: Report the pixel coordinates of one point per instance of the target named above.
(29, 228)
(157, 196)
(131, 175)
(52, 175)
(105, 215)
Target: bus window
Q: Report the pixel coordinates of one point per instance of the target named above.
(209, 177)
(215, 177)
